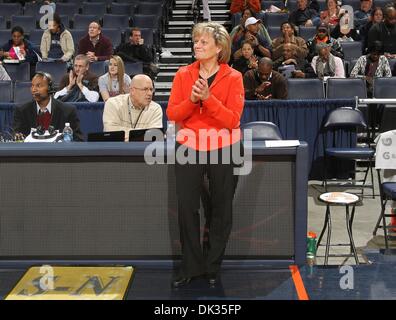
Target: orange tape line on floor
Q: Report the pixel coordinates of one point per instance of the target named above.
(298, 283)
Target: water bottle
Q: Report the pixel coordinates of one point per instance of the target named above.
(311, 251)
(67, 133)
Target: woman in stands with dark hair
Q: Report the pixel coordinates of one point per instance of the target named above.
(288, 30)
(373, 65)
(206, 102)
(115, 81)
(377, 16)
(18, 48)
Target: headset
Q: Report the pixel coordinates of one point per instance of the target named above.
(40, 131)
(48, 77)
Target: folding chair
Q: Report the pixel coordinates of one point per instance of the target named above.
(350, 120)
(262, 130)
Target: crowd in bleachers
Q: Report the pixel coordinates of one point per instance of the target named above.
(312, 39)
(123, 35)
(304, 39)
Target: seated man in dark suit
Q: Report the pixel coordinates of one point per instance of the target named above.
(45, 111)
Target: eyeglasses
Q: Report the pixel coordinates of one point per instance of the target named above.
(146, 90)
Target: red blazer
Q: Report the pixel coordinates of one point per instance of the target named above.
(222, 110)
(240, 5)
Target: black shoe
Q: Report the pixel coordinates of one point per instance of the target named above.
(180, 282)
(213, 279)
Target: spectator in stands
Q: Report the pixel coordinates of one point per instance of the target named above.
(292, 67)
(57, 42)
(238, 32)
(304, 15)
(289, 37)
(4, 76)
(134, 110)
(373, 65)
(260, 45)
(323, 36)
(95, 45)
(115, 81)
(45, 111)
(240, 5)
(330, 16)
(247, 61)
(136, 51)
(377, 16)
(385, 32)
(264, 83)
(18, 48)
(79, 85)
(362, 16)
(326, 65)
(343, 32)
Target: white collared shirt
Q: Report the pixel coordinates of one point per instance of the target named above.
(48, 106)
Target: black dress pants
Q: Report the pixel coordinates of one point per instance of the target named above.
(189, 182)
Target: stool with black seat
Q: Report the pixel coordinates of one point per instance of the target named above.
(339, 199)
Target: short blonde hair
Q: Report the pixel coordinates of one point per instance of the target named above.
(220, 36)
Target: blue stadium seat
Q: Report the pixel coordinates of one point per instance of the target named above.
(94, 8)
(3, 23)
(355, 4)
(274, 32)
(82, 21)
(22, 93)
(145, 21)
(10, 9)
(6, 91)
(18, 72)
(235, 19)
(114, 34)
(69, 9)
(123, 8)
(133, 68)
(65, 20)
(306, 32)
(35, 36)
(115, 21)
(26, 22)
(32, 9)
(107, 2)
(352, 49)
(56, 69)
(304, 89)
(275, 19)
(150, 8)
(292, 5)
(385, 88)
(5, 35)
(77, 34)
(342, 88)
(98, 68)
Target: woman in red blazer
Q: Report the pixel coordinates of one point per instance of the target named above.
(206, 102)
